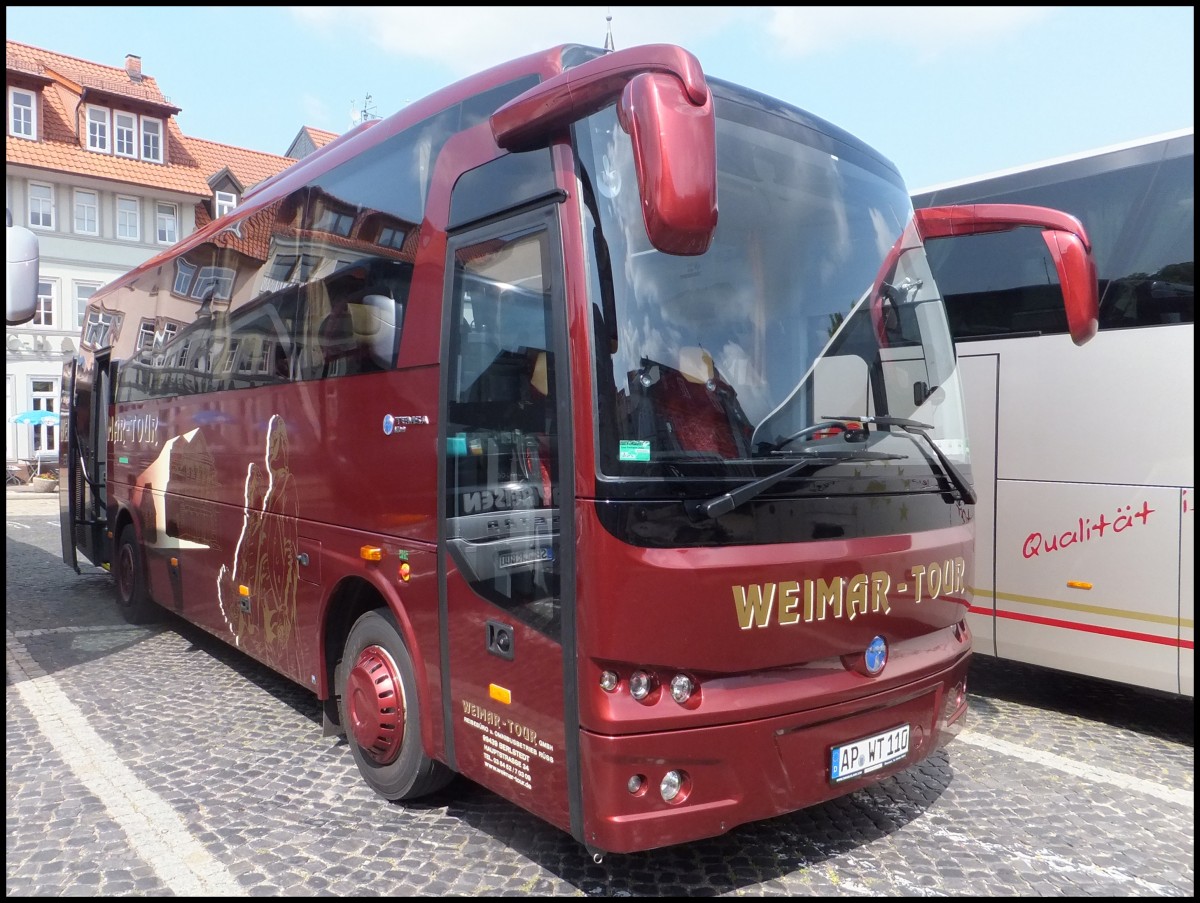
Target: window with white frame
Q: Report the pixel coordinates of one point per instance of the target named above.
(83, 291)
(230, 356)
(97, 129)
(292, 267)
(96, 332)
(145, 335)
(22, 114)
(152, 140)
(41, 205)
(213, 282)
(44, 393)
(167, 223)
(125, 128)
(225, 202)
(87, 212)
(184, 272)
(129, 218)
(44, 315)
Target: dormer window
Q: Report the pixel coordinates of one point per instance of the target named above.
(98, 130)
(125, 126)
(22, 114)
(223, 203)
(335, 221)
(124, 134)
(152, 140)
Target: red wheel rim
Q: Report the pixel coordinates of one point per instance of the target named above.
(375, 704)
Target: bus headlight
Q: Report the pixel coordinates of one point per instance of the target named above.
(609, 681)
(682, 688)
(640, 684)
(671, 785)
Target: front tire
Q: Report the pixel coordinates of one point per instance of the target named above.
(133, 596)
(378, 709)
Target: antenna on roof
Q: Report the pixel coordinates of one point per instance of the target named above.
(608, 38)
(366, 112)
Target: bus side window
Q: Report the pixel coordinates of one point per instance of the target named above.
(360, 334)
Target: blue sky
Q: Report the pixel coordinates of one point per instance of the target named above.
(944, 92)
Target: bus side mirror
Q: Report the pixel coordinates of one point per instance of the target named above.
(675, 155)
(664, 105)
(21, 277)
(1064, 235)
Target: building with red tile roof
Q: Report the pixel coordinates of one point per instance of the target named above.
(308, 140)
(97, 166)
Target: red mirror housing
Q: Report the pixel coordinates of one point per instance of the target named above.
(1065, 238)
(675, 153)
(664, 105)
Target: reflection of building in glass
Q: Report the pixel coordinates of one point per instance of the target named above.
(96, 163)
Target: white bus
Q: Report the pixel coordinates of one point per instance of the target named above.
(1083, 461)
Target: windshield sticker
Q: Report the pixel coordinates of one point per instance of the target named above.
(635, 450)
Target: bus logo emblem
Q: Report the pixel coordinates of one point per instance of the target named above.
(398, 423)
(876, 655)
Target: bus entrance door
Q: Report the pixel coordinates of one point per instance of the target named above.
(503, 567)
(84, 524)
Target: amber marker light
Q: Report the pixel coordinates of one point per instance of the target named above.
(500, 694)
(370, 553)
(405, 571)
(1078, 584)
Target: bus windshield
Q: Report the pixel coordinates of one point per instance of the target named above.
(810, 308)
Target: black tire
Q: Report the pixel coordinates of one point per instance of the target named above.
(378, 710)
(129, 574)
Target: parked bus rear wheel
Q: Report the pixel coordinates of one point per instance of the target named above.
(133, 597)
(379, 711)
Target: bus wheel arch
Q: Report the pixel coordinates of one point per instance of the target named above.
(379, 710)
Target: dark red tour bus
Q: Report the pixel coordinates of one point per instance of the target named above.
(590, 428)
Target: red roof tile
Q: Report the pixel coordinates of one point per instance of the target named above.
(190, 161)
(319, 137)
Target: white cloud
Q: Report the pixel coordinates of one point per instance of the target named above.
(469, 38)
(929, 30)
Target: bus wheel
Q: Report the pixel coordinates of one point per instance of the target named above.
(133, 598)
(380, 714)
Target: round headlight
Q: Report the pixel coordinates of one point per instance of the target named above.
(640, 685)
(682, 688)
(609, 681)
(670, 785)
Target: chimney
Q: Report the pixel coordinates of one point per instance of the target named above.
(133, 67)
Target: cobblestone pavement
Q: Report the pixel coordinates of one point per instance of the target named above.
(159, 762)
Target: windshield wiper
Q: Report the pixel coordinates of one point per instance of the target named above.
(915, 428)
(727, 501)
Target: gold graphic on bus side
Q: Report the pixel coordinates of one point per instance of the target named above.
(264, 557)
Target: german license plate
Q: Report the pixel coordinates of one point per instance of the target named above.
(850, 760)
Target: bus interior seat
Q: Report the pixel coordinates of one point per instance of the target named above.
(374, 320)
(696, 365)
(540, 378)
(695, 409)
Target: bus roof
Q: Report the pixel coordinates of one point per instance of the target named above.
(1054, 161)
